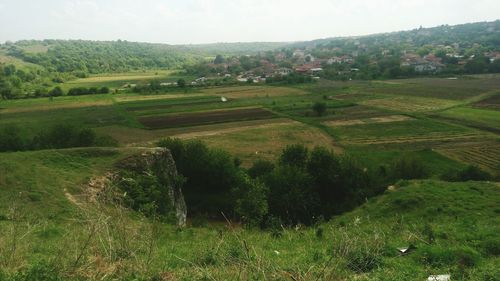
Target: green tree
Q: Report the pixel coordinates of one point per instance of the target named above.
(219, 59)
(260, 168)
(319, 108)
(56, 92)
(181, 83)
(295, 155)
(251, 205)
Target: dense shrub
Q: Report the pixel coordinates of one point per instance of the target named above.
(260, 168)
(251, 205)
(58, 136)
(409, 168)
(362, 261)
(80, 91)
(438, 257)
(291, 197)
(469, 173)
(64, 136)
(56, 92)
(40, 271)
(10, 139)
(211, 176)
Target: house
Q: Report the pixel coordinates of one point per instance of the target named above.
(280, 56)
(303, 68)
(201, 80)
(427, 66)
(334, 60)
(283, 71)
(347, 59)
(316, 70)
(493, 56)
(299, 54)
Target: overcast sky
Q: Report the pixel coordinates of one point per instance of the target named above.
(208, 21)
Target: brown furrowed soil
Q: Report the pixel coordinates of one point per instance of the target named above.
(208, 117)
(492, 102)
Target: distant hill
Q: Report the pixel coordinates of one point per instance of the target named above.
(116, 56)
(486, 34)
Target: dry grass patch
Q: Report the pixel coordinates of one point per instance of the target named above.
(142, 137)
(485, 155)
(267, 142)
(382, 119)
(411, 104)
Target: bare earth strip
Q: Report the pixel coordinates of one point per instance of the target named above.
(383, 119)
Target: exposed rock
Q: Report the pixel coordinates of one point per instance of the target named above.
(159, 162)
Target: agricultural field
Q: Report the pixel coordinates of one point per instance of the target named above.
(482, 154)
(359, 114)
(253, 92)
(474, 117)
(121, 80)
(410, 104)
(492, 102)
(207, 117)
(256, 123)
(457, 88)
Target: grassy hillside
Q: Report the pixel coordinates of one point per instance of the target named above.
(49, 230)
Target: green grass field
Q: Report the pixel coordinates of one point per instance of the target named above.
(63, 235)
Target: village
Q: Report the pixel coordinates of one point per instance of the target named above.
(342, 64)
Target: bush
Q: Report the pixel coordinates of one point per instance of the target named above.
(294, 155)
(319, 108)
(211, 176)
(491, 246)
(80, 91)
(361, 261)
(56, 92)
(65, 136)
(470, 173)
(260, 168)
(40, 271)
(441, 257)
(409, 168)
(10, 139)
(251, 205)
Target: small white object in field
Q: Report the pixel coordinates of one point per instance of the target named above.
(403, 250)
(276, 252)
(223, 99)
(443, 277)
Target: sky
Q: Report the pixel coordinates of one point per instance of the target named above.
(211, 21)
